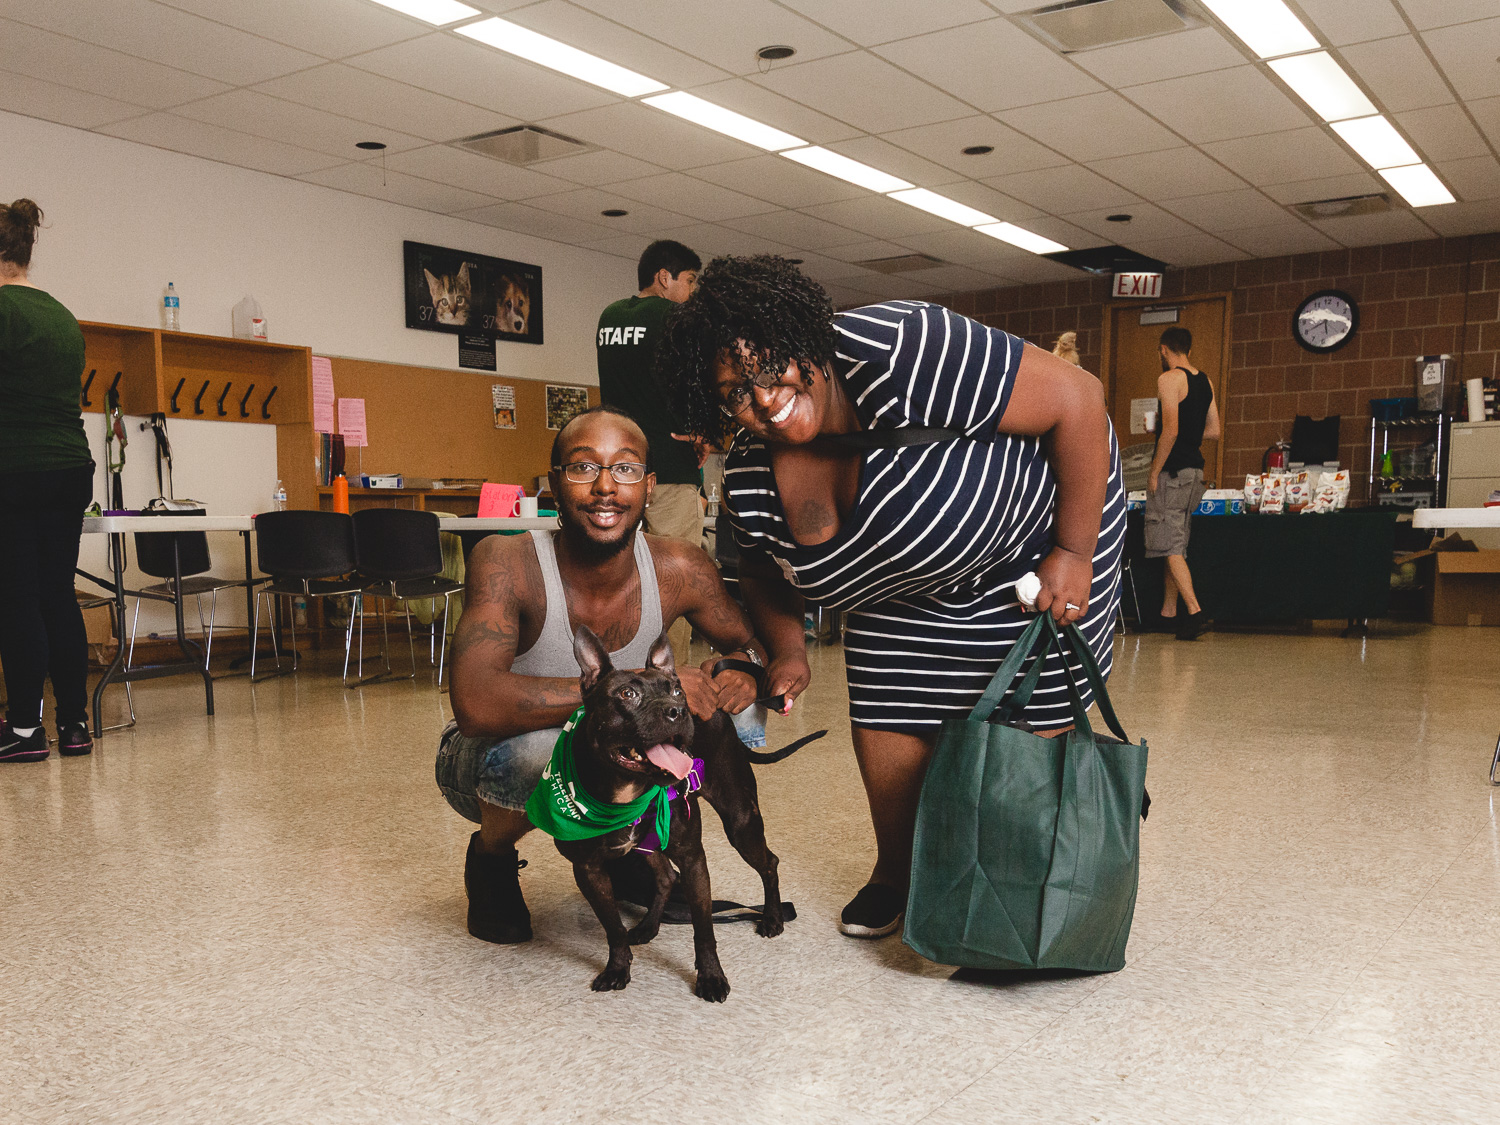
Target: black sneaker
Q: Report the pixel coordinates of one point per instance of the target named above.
(497, 912)
(74, 740)
(1193, 626)
(15, 748)
(875, 912)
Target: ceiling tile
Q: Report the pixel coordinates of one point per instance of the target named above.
(674, 191)
(1440, 13)
(587, 204)
(1147, 221)
(964, 248)
(329, 28)
(744, 96)
(110, 74)
(1443, 132)
(1486, 111)
(792, 228)
(865, 91)
(522, 219)
(897, 161)
(630, 246)
(482, 76)
(1060, 230)
(992, 65)
(1175, 172)
(866, 249)
(469, 170)
(1467, 55)
(20, 93)
(878, 217)
(380, 101)
(1274, 158)
(1458, 219)
(164, 35)
(1371, 230)
(822, 268)
(956, 279)
(1228, 210)
(594, 168)
(879, 21)
(894, 286)
(1399, 73)
(1072, 188)
(1215, 107)
(730, 38)
(990, 201)
(1095, 127)
(1190, 250)
(591, 32)
(1287, 237)
(1473, 179)
(944, 144)
(1353, 21)
(197, 138)
(394, 187)
(1163, 56)
(712, 241)
(844, 297)
(1330, 187)
(293, 123)
(639, 130)
(779, 181)
(1031, 269)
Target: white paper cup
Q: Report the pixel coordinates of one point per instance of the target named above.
(1475, 389)
(526, 507)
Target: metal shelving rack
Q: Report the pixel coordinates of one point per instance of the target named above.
(1381, 431)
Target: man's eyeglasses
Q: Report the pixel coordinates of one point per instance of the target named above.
(733, 403)
(587, 472)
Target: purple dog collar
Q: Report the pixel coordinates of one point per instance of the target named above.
(650, 842)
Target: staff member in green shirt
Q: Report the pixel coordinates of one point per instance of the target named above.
(628, 332)
(46, 481)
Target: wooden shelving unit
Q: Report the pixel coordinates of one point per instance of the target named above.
(459, 501)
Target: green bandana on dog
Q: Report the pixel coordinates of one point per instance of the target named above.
(560, 807)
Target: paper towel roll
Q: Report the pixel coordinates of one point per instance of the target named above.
(1476, 399)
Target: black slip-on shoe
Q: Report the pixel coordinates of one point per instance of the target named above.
(1193, 626)
(16, 748)
(497, 911)
(74, 740)
(873, 913)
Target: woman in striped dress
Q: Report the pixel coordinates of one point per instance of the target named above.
(921, 544)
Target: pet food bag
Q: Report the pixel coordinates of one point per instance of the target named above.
(1254, 484)
(1299, 491)
(1273, 495)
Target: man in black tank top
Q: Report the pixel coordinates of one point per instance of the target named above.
(1189, 416)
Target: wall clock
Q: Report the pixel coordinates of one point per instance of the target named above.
(1325, 321)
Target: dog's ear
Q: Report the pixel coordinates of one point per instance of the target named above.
(660, 656)
(592, 656)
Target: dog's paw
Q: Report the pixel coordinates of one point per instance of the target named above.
(769, 927)
(712, 987)
(640, 933)
(612, 980)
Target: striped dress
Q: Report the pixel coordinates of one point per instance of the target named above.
(926, 563)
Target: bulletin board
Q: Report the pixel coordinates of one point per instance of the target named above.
(432, 422)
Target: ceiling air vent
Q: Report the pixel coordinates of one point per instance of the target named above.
(523, 145)
(1319, 209)
(904, 263)
(1083, 25)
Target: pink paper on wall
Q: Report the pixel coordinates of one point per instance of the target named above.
(322, 388)
(497, 501)
(352, 422)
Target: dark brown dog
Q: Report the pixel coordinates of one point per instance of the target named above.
(637, 732)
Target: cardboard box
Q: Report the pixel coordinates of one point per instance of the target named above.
(1465, 587)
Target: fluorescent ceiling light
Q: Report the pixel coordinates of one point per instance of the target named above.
(1268, 27)
(435, 12)
(725, 121)
(1377, 142)
(1321, 83)
(1418, 185)
(589, 68)
(942, 206)
(1020, 236)
(851, 171)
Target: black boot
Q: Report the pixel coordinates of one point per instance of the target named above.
(497, 912)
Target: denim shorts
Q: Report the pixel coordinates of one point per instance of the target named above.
(504, 771)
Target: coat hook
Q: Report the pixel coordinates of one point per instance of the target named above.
(178, 391)
(115, 386)
(87, 383)
(265, 407)
(243, 412)
(198, 398)
(222, 397)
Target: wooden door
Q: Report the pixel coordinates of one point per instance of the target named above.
(1132, 363)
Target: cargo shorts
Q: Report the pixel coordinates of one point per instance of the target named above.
(1169, 512)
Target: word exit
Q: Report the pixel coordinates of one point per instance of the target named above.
(1137, 285)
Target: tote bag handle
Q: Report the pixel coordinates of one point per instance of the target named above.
(1080, 646)
(1005, 675)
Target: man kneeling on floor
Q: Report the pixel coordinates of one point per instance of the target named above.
(515, 678)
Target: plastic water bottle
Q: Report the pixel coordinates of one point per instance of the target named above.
(278, 498)
(169, 309)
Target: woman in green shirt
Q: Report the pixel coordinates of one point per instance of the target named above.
(46, 481)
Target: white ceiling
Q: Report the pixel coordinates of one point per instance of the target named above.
(1187, 133)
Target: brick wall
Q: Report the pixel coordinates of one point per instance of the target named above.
(1414, 299)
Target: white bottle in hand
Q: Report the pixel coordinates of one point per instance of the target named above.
(169, 309)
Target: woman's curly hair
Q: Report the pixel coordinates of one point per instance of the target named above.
(765, 301)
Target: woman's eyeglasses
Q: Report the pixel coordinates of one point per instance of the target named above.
(733, 403)
(587, 472)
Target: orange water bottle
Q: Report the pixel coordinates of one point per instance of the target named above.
(341, 494)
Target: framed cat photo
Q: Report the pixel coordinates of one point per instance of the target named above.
(459, 292)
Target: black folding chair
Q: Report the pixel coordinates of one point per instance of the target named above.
(307, 555)
(154, 552)
(402, 557)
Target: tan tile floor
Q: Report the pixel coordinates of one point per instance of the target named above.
(259, 918)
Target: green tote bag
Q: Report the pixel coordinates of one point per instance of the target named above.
(1027, 849)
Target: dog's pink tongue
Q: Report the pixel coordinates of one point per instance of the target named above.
(667, 757)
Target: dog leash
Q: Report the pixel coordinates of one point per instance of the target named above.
(775, 703)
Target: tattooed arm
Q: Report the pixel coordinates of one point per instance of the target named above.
(488, 698)
(691, 588)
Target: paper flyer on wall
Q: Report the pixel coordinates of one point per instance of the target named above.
(322, 390)
(504, 399)
(352, 422)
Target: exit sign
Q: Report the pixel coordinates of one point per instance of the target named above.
(1137, 285)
